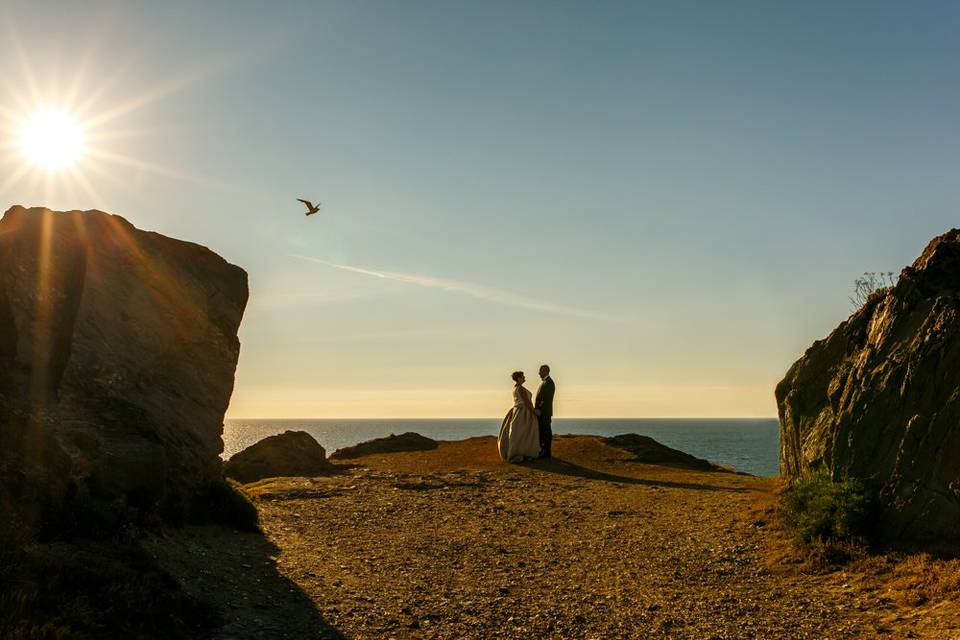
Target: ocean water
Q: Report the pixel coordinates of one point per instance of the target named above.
(751, 445)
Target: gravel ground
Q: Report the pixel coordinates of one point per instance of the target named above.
(451, 543)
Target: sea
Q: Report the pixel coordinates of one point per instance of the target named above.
(746, 444)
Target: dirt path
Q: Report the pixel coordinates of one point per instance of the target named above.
(452, 543)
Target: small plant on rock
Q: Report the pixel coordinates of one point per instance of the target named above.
(868, 284)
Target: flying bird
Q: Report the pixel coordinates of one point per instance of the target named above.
(311, 208)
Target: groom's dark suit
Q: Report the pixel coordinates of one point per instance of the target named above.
(544, 405)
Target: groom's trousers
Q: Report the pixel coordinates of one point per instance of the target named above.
(546, 435)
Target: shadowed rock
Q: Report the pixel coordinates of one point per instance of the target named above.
(391, 444)
(648, 451)
(879, 398)
(291, 453)
(117, 355)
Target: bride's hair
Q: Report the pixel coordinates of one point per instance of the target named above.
(516, 375)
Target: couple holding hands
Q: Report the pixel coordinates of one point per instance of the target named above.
(526, 431)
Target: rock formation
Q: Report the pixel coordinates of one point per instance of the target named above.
(291, 453)
(409, 441)
(879, 398)
(646, 450)
(117, 355)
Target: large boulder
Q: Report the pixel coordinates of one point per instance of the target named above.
(879, 398)
(117, 356)
(291, 453)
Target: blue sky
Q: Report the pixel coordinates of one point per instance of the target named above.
(667, 201)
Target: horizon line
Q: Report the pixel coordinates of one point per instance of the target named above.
(501, 418)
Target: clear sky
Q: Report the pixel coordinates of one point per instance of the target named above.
(666, 201)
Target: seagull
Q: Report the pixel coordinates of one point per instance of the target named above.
(311, 208)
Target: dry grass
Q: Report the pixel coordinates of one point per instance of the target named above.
(921, 579)
(907, 594)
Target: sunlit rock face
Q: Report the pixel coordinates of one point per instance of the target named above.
(117, 356)
(879, 398)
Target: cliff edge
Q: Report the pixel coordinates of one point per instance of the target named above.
(879, 398)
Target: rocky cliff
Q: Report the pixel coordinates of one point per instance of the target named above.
(117, 355)
(879, 398)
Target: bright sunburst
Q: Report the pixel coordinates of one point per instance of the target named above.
(63, 133)
(51, 139)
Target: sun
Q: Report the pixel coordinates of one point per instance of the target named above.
(51, 139)
(62, 136)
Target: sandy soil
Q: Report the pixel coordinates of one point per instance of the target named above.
(452, 543)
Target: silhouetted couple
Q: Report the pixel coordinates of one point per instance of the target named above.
(526, 431)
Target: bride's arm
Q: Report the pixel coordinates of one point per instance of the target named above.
(526, 398)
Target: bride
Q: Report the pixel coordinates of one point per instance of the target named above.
(519, 436)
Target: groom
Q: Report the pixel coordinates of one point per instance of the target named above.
(543, 406)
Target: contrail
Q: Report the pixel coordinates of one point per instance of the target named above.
(480, 292)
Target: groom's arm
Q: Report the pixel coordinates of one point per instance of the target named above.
(548, 396)
(545, 397)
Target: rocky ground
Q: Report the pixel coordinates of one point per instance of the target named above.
(452, 543)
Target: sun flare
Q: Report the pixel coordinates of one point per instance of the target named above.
(51, 139)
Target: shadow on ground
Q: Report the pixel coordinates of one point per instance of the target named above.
(562, 467)
(237, 574)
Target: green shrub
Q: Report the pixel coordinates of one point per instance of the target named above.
(819, 510)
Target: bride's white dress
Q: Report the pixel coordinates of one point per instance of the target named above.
(519, 434)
